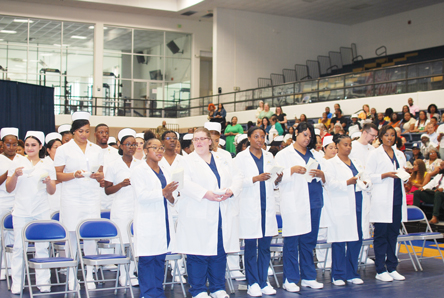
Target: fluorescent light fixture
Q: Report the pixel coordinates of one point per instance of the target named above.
(92, 27)
(1, 39)
(23, 21)
(78, 37)
(8, 31)
(46, 54)
(63, 45)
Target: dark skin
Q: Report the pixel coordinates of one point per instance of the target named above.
(102, 136)
(170, 144)
(10, 144)
(257, 141)
(388, 140)
(344, 149)
(129, 148)
(67, 136)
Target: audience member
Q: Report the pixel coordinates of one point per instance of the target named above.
(432, 111)
(230, 132)
(432, 161)
(21, 147)
(220, 116)
(276, 125)
(325, 120)
(374, 114)
(388, 114)
(440, 132)
(416, 151)
(259, 109)
(250, 124)
(401, 139)
(413, 108)
(266, 124)
(380, 121)
(434, 121)
(365, 114)
(211, 110)
(161, 129)
(417, 179)
(408, 123)
(339, 119)
(303, 118)
(337, 107)
(354, 124)
(426, 145)
(433, 136)
(323, 130)
(421, 122)
(266, 112)
(281, 116)
(329, 115)
(405, 109)
(394, 121)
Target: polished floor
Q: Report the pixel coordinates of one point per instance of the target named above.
(427, 283)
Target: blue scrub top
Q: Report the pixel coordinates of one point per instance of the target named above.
(358, 194)
(213, 168)
(260, 166)
(314, 187)
(162, 180)
(397, 184)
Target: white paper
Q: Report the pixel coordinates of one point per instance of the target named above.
(220, 192)
(177, 175)
(402, 174)
(408, 165)
(94, 169)
(43, 176)
(274, 171)
(312, 164)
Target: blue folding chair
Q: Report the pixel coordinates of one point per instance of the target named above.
(51, 231)
(98, 229)
(55, 216)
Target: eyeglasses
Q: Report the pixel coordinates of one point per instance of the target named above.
(157, 148)
(129, 145)
(171, 138)
(200, 139)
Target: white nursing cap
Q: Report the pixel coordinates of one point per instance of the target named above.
(53, 136)
(222, 142)
(112, 140)
(213, 126)
(37, 134)
(278, 139)
(425, 135)
(317, 131)
(64, 127)
(177, 135)
(80, 116)
(140, 135)
(9, 131)
(327, 141)
(356, 134)
(287, 137)
(126, 132)
(188, 137)
(354, 116)
(239, 138)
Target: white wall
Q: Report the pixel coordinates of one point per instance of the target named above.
(251, 45)
(393, 31)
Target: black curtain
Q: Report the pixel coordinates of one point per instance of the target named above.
(27, 107)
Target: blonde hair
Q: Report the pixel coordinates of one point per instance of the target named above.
(207, 132)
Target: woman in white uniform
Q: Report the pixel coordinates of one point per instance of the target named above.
(301, 205)
(117, 181)
(139, 150)
(257, 214)
(79, 165)
(343, 204)
(153, 227)
(388, 204)
(32, 180)
(53, 141)
(207, 227)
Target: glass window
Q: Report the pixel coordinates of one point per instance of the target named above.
(40, 58)
(77, 63)
(15, 30)
(178, 44)
(17, 59)
(117, 39)
(78, 35)
(148, 42)
(148, 68)
(45, 33)
(177, 70)
(118, 64)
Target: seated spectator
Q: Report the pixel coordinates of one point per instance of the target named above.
(417, 179)
(440, 132)
(289, 134)
(266, 124)
(414, 109)
(425, 144)
(388, 114)
(380, 122)
(250, 124)
(211, 110)
(434, 121)
(432, 111)
(281, 116)
(401, 138)
(276, 125)
(323, 131)
(318, 146)
(421, 122)
(220, 116)
(354, 124)
(329, 115)
(266, 112)
(365, 114)
(339, 119)
(432, 162)
(433, 135)
(325, 120)
(405, 109)
(416, 151)
(337, 107)
(259, 109)
(408, 123)
(337, 129)
(303, 118)
(394, 121)
(432, 192)
(374, 114)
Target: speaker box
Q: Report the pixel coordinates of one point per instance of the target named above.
(173, 47)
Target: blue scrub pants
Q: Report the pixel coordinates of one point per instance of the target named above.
(213, 268)
(345, 262)
(302, 245)
(385, 239)
(257, 260)
(151, 272)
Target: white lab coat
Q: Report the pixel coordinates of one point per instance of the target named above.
(250, 226)
(6, 198)
(110, 154)
(177, 163)
(54, 199)
(295, 199)
(340, 201)
(223, 153)
(198, 218)
(150, 237)
(80, 198)
(381, 205)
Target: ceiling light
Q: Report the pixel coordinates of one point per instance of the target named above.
(1, 39)
(92, 27)
(46, 54)
(8, 31)
(78, 37)
(23, 21)
(63, 45)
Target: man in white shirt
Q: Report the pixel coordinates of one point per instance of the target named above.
(426, 145)
(440, 132)
(432, 193)
(433, 135)
(413, 108)
(360, 151)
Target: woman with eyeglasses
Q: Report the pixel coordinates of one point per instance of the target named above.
(118, 182)
(153, 225)
(207, 227)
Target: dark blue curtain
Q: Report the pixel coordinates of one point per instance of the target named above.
(27, 107)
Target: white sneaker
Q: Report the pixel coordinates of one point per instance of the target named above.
(178, 278)
(290, 287)
(3, 275)
(220, 294)
(237, 275)
(384, 276)
(368, 262)
(134, 280)
(355, 281)
(396, 276)
(254, 290)
(45, 289)
(268, 290)
(90, 283)
(312, 284)
(15, 289)
(202, 295)
(338, 282)
(270, 271)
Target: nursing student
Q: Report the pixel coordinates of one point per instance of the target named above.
(9, 137)
(79, 165)
(32, 180)
(53, 141)
(343, 204)
(388, 204)
(118, 182)
(257, 214)
(301, 205)
(153, 226)
(207, 227)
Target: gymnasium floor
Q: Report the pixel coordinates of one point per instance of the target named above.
(427, 283)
